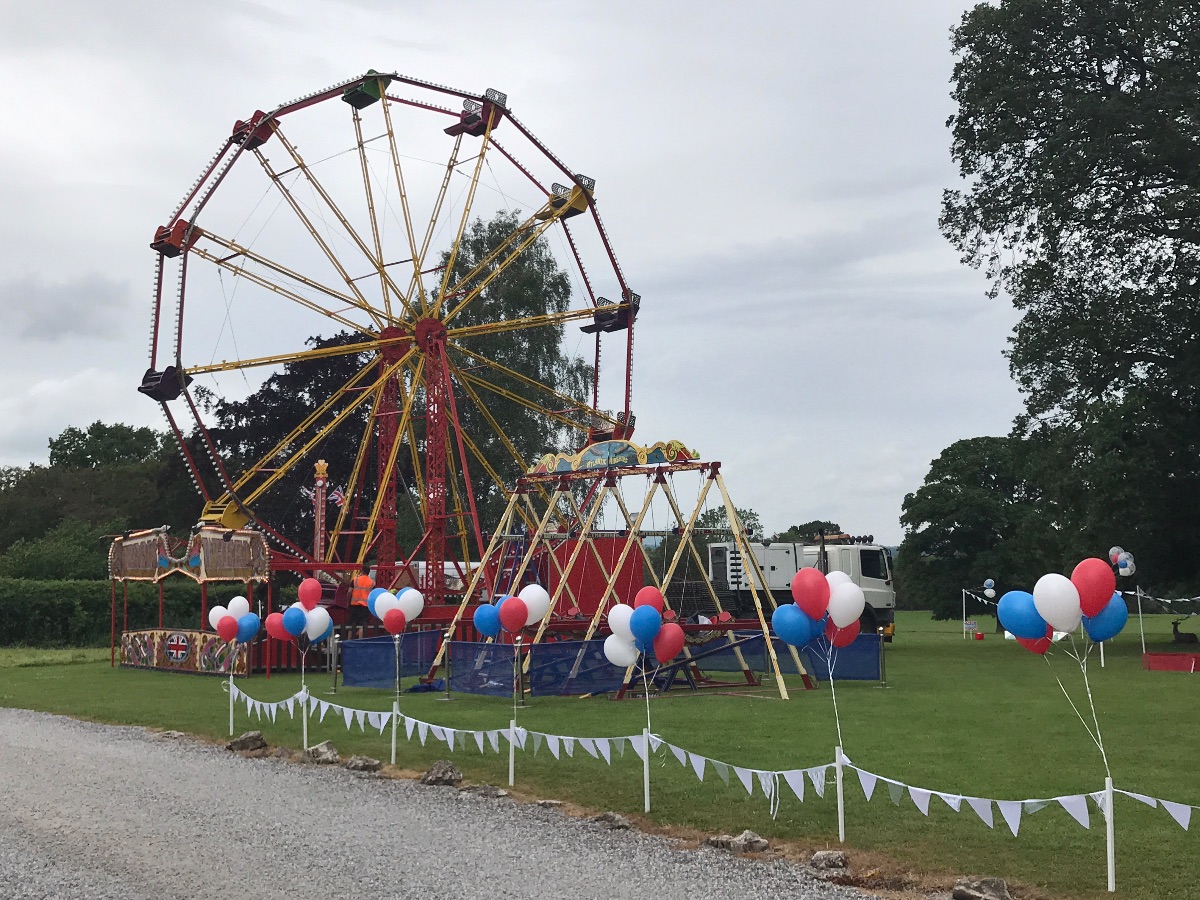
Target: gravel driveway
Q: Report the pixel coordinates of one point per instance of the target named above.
(97, 812)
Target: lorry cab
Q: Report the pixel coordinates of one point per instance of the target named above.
(868, 565)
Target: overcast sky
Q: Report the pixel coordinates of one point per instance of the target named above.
(769, 173)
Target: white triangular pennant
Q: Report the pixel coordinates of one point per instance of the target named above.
(450, 739)
(249, 703)
(374, 718)
(983, 809)
(523, 738)
(954, 801)
(348, 715)
(590, 746)
(816, 775)
(569, 746)
(478, 735)
(438, 732)
(920, 799)
(1141, 798)
(494, 739)
(422, 731)
(605, 750)
(1180, 812)
(638, 743)
(1077, 807)
(312, 704)
(795, 780)
(766, 781)
(655, 743)
(290, 706)
(1011, 810)
(746, 777)
(1032, 806)
(234, 690)
(619, 745)
(895, 791)
(722, 770)
(325, 707)
(1099, 799)
(538, 737)
(272, 711)
(867, 780)
(697, 762)
(258, 710)
(361, 717)
(552, 743)
(680, 754)
(409, 725)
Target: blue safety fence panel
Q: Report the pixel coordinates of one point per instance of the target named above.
(371, 662)
(857, 662)
(481, 668)
(558, 668)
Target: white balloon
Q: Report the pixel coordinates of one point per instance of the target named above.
(383, 603)
(989, 593)
(1057, 601)
(1114, 553)
(537, 600)
(618, 620)
(1129, 569)
(318, 621)
(238, 607)
(215, 615)
(619, 651)
(836, 578)
(846, 604)
(411, 603)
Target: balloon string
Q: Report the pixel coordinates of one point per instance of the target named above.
(1082, 720)
(1095, 720)
(830, 662)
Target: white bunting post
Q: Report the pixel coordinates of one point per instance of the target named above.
(646, 766)
(841, 798)
(231, 694)
(1110, 834)
(304, 715)
(395, 719)
(512, 751)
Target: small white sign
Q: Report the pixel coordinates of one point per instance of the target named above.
(970, 625)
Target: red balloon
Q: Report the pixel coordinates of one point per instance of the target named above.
(649, 596)
(227, 628)
(841, 637)
(810, 590)
(668, 642)
(1038, 645)
(394, 622)
(309, 593)
(1096, 583)
(275, 627)
(514, 612)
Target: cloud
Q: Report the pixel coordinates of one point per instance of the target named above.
(92, 306)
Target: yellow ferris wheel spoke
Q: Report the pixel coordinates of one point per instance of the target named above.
(419, 261)
(394, 450)
(377, 258)
(236, 251)
(354, 482)
(508, 325)
(466, 215)
(296, 356)
(531, 405)
(402, 191)
(337, 420)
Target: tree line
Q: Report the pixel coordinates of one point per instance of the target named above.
(1077, 136)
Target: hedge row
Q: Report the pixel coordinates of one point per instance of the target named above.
(77, 613)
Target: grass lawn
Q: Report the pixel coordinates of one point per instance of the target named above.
(983, 718)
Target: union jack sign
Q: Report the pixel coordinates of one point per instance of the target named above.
(177, 648)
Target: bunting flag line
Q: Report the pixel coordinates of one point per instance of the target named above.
(1011, 811)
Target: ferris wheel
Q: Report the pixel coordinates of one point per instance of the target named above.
(431, 288)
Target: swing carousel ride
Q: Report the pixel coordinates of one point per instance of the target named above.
(341, 237)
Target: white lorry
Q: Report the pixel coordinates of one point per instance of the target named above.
(868, 565)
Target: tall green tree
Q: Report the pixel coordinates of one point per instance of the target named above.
(1076, 133)
(808, 531)
(104, 445)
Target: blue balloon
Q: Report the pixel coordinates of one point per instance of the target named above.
(989, 584)
(1019, 615)
(326, 634)
(372, 597)
(645, 623)
(1109, 622)
(792, 625)
(294, 620)
(487, 620)
(248, 627)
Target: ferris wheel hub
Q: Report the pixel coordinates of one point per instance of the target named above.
(430, 333)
